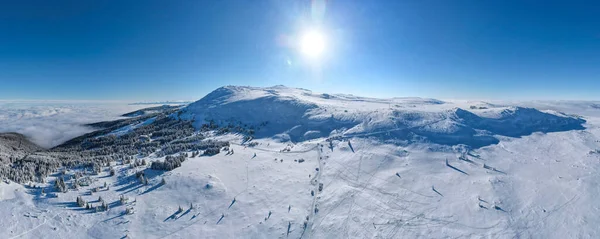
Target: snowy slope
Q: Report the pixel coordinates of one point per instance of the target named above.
(14, 145)
(341, 166)
(299, 114)
(128, 128)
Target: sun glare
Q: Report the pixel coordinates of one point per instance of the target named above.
(312, 44)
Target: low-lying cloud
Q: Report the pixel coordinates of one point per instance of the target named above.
(51, 123)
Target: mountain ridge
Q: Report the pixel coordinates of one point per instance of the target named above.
(298, 114)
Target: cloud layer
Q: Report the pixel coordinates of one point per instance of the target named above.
(50, 123)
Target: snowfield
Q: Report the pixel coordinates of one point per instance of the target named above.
(341, 166)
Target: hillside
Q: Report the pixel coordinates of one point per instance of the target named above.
(14, 146)
(299, 115)
(279, 162)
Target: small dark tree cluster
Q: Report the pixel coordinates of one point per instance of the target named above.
(96, 168)
(81, 202)
(103, 207)
(228, 126)
(123, 200)
(60, 185)
(141, 177)
(169, 163)
(183, 146)
(129, 211)
(195, 153)
(139, 162)
(212, 151)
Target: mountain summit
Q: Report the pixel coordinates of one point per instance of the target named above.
(298, 114)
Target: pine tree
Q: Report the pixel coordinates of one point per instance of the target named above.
(104, 206)
(81, 202)
(123, 200)
(142, 179)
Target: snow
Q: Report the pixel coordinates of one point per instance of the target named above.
(9, 191)
(126, 129)
(526, 172)
(302, 115)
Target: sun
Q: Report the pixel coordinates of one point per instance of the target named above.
(312, 44)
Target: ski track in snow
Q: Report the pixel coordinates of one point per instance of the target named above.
(36, 227)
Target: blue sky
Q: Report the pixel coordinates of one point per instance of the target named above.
(181, 50)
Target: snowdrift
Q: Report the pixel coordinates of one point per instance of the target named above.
(298, 115)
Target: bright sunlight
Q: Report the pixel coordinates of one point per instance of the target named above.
(312, 44)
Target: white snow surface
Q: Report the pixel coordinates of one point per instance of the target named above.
(127, 129)
(524, 173)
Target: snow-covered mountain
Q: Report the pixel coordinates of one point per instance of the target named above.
(299, 115)
(279, 162)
